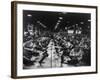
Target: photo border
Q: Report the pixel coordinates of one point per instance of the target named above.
(14, 38)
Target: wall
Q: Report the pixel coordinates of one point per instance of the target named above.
(5, 40)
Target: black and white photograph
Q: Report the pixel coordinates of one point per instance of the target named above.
(53, 39)
(56, 39)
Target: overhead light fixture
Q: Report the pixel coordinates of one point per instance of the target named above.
(60, 18)
(59, 21)
(81, 22)
(89, 20)
(41, 24)
(29, 15)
